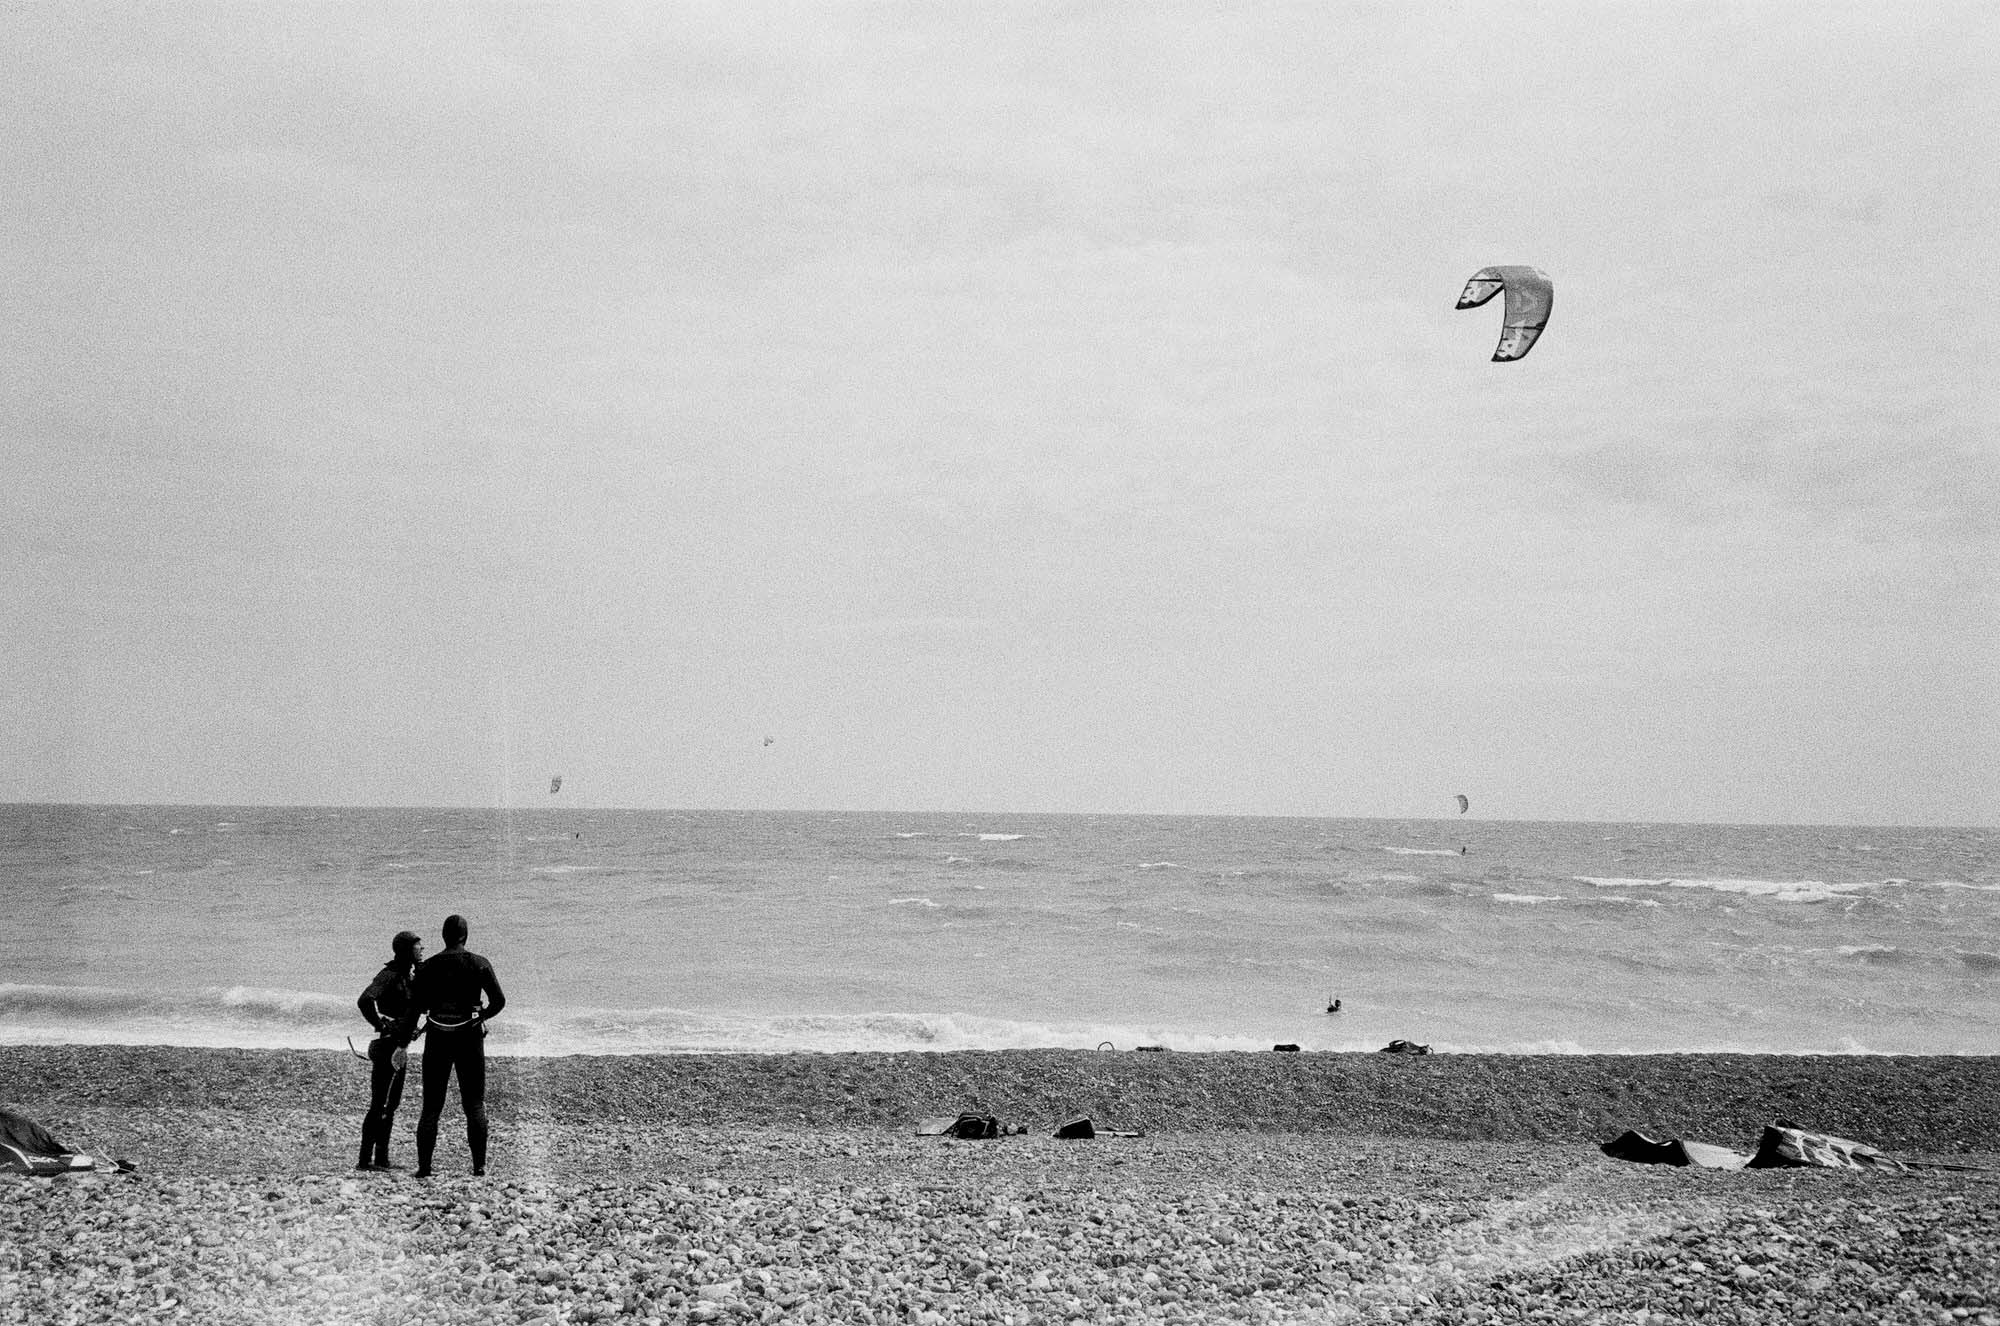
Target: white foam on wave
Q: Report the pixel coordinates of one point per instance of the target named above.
(1549, 1045)
(1527, 897)
(1162, 865)
(1877, 953)
(677, 1031)
(994, 837)
(249, 1017)
(920, 902)
(1808, 890)
(1424, 851)
(265, 1001)
(259, 1018)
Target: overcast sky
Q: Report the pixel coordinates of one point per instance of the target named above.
(1002, 407)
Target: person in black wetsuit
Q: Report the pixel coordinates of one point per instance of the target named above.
(388, 1006)
(449, 988)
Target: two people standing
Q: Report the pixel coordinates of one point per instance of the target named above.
(458, 993)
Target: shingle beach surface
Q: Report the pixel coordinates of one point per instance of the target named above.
(1309, 1188)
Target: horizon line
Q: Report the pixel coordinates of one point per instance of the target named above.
(1070, 814)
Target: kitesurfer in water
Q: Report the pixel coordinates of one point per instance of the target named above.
(450, 989)
(388, 1005)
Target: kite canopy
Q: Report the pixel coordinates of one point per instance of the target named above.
(1636, 1146)
(555, 784)
(1530, 297)
(1785, 1147)
(1781, 1147)
(28, 1147)
(1464, 804)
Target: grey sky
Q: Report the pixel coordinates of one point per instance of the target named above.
(1025, 407)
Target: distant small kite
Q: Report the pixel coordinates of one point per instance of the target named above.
(555, 784)
(1530, 298)
(769, 740)
(1463, 804)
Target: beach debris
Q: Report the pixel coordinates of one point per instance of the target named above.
(1400, 1046)
(29, 1148)
(1286, 1048)
(1333, 1007)
(1530, 298)
(1644, 1150)
(1154, 1049)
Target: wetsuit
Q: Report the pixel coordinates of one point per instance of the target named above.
(448, 988)
(387, 1004)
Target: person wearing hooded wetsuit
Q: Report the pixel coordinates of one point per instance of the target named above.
(459, 992)
(387, 1004)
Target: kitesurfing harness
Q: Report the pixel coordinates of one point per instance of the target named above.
(475, 1022)
(398, 1057)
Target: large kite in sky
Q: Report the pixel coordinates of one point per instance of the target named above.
(1530, 296)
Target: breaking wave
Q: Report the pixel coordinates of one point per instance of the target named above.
(242, 1017)
(1809, 890)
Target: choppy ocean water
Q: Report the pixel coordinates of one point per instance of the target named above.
(663, 931)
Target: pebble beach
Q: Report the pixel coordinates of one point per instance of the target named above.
(766, 1188)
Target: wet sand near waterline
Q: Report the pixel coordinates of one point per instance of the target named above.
(788, 1187)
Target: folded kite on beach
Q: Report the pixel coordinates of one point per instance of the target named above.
(1082, 1127)
(29, 1148)
(1785, 1147)
(1638, 1147)
(1781, 1147)
(967, 1126)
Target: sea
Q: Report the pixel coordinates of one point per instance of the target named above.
(657, 931)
